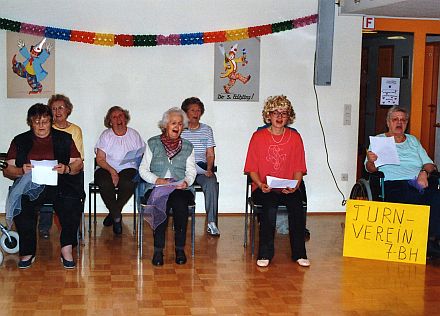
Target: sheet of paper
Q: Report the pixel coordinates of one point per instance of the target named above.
(43, 173)
(385, 149)
(133, 156)
(280, 183)
(170, 184)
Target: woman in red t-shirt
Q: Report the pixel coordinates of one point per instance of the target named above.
(278, 151)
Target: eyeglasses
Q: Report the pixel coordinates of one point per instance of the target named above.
(398, 119)
(41, 122)
(56, 108)
(279, 114)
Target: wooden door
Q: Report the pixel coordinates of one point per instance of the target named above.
(384, 69)
(362, 108)
(430, 95)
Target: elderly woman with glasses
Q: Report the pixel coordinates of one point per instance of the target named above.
(278, 151)
(114, 175)
(169, 158)
(25, 198)
(407, 182)
(61, 109)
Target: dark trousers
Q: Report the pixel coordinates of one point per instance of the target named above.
(296, 217)
(178, 201)
(115, 199)
(402, 192)
(69, 213)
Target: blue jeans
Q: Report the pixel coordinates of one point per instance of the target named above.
(210, 191)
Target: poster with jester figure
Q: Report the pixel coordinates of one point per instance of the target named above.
(237, 70)
(30, 66)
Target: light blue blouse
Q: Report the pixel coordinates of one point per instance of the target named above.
(412, 158)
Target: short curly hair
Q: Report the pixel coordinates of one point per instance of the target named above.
(276, 102)
(61, 97)
(395, 109)
(166, 118)
(107, 118)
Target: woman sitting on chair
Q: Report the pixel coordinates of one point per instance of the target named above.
(61, 109)
(278, 151)
(170, 158)
(115, 177)
(202, 138)
(408, 182)
(25, 198)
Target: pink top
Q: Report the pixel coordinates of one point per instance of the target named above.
(275, 155)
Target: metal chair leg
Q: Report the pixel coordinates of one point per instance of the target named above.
(90, 209)
(94, 208)
(140, 232)
(134, 212)
(193, 231)
(252, 229)
(245, 225)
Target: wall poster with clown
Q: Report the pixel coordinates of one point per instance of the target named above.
(30, 66)
(237, 70)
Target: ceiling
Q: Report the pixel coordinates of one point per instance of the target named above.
(421, 9)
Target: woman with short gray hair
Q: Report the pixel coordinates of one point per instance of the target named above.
(169, 158)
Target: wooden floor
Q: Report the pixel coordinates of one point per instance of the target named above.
(222, 279)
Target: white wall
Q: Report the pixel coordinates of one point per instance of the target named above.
(149, 80)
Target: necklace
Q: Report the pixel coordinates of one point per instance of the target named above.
(282, 137)
(194, 128)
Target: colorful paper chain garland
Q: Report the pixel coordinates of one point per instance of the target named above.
(127, 40)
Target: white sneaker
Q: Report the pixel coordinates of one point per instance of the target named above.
(212, 229)
(263, 262)
(303, 262)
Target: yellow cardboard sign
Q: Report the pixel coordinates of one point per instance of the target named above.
(386, 231)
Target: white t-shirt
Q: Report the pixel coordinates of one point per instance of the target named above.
(116, 147)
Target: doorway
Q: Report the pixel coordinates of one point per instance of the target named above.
(384, 54)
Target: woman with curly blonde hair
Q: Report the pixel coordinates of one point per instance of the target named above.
(278, 151)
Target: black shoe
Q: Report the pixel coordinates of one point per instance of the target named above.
(117, 227)
(157, 258)
(24, 264)
(108, 220)
(67, 264)
(180, 256)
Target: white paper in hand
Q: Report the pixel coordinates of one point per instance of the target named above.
(43, 173)
(280, 183)
(385, 149)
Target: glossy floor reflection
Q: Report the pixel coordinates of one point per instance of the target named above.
(222, 279)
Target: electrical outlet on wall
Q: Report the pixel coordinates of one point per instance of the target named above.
(344, 176)
(347, 114)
